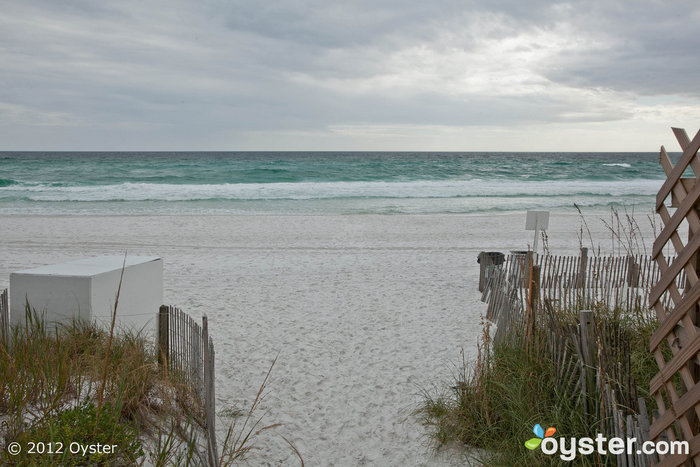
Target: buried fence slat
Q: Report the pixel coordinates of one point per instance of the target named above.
(621, 458)
(629, 434)
(639, 459)
(188, 353)
(185, 335)
(212, 404)
(571, 279)
(209, 409)
(605, 278)
(587, 342)
(176, 338)
(163, 341)
(596, 276)
(609, 425)
(611, 281)
(622, 277)
(171, 337)
(175, 347)
(563, 282)
(644, 428)
(543, 261)
(614, 280)
(582, 268)
(185, 349)
(4, 319)
(192, 363)
(179, 341)
(533, 297)
(573, 276)
(563, 294)
(557, 278)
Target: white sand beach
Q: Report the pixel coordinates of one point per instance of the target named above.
(363, 312)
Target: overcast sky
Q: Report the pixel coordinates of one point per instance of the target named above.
(440, 75)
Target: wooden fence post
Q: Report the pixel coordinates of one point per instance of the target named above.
(212, 406)
(632, 272)
(533, 305)
(489, 263)
(582, 268)
(482, 270)
(529, 261)
(4, 319)
(209, 403)
(589, 354)
(163, 334)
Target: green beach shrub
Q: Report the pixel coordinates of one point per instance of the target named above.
(81, 436)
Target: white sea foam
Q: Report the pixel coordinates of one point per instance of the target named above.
(330, 190)
(619, 164)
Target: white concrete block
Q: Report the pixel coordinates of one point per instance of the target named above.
(87, 288)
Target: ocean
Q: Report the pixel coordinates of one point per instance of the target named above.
(318, 183)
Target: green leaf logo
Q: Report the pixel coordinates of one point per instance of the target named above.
(533, 443)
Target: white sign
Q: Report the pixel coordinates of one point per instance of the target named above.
(537, 220)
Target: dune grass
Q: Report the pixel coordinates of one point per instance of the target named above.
(493, 403)
(50, 379)
(79, 383)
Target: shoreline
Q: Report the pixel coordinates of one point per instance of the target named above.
(561, 211)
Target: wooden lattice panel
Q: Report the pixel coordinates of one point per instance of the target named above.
(676, 342)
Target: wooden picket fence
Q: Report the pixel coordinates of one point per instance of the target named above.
(522, 284)
(578, 281)
(676, 342)
(617, 281)
(187, 350)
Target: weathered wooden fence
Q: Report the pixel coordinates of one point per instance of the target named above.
(676, 342)
(517, 288)
(186, 349)
(590, 357)
(569, 282)
(4, 318)
(622, 281)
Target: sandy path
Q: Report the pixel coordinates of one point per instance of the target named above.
(363, 311)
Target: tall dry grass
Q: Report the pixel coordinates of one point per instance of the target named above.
(79, 382)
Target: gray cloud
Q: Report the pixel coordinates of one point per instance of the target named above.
(648, 48)
(140, 75)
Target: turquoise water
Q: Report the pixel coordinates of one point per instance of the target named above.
(321, 183)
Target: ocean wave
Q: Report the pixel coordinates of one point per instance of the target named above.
(329, 190)
(327, 206)
(619, 164)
